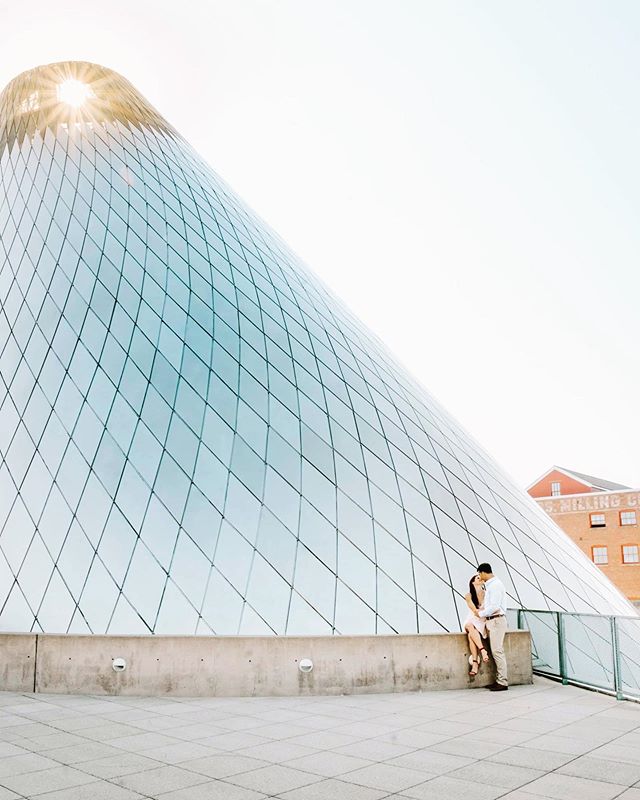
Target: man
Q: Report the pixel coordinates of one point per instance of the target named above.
(494, 612)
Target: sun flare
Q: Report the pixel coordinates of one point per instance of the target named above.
(74, 93)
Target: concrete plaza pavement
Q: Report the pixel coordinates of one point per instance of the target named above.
(533, 742)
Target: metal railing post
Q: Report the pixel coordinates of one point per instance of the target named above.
(617, 678)
(562, 656)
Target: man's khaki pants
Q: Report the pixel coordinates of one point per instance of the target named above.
(497, 628)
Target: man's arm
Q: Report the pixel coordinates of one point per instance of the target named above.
(490, 606)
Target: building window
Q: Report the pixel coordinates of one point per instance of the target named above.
(600, 555)
(597, 521)
(630, 554)
(627, 517)
(555, 488)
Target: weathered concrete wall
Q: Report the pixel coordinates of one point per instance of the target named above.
(17, 661)
(269, 665)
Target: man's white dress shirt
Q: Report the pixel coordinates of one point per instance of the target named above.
(495, 598)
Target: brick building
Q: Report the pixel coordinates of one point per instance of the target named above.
(602, 518)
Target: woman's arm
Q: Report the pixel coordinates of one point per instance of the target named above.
(469, 602)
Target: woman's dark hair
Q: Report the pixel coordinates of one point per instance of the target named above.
(473, 593)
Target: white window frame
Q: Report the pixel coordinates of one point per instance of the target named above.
(595, 556)
(631, 515)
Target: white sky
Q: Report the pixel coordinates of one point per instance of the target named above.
(464, 173)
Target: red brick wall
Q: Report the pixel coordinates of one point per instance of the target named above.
(567, 485)
(577, 524)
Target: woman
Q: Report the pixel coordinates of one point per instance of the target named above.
(475, 626)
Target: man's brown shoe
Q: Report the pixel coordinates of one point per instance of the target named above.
(498, 687)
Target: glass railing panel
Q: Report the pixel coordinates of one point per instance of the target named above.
(589, 650)
(543, 627)
(629, 650)
(512, 619)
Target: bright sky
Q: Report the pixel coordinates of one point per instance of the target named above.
(464, 174)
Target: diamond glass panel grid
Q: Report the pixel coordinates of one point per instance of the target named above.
(195, 435)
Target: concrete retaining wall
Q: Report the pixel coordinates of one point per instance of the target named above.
(18, 662)
(241, 666)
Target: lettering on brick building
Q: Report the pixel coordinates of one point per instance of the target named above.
(591, 502)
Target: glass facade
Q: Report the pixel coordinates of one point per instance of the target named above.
(195, 435)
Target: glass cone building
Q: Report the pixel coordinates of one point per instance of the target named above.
(195, 435)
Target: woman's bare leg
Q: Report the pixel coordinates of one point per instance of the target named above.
(474, 635)
(480, 644)
(473, 648)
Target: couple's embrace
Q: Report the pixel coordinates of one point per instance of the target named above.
(487, 601)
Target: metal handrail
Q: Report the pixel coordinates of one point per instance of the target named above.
(585, 656)
(573, 613)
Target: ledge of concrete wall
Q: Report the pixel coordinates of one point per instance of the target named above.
(241, 666)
